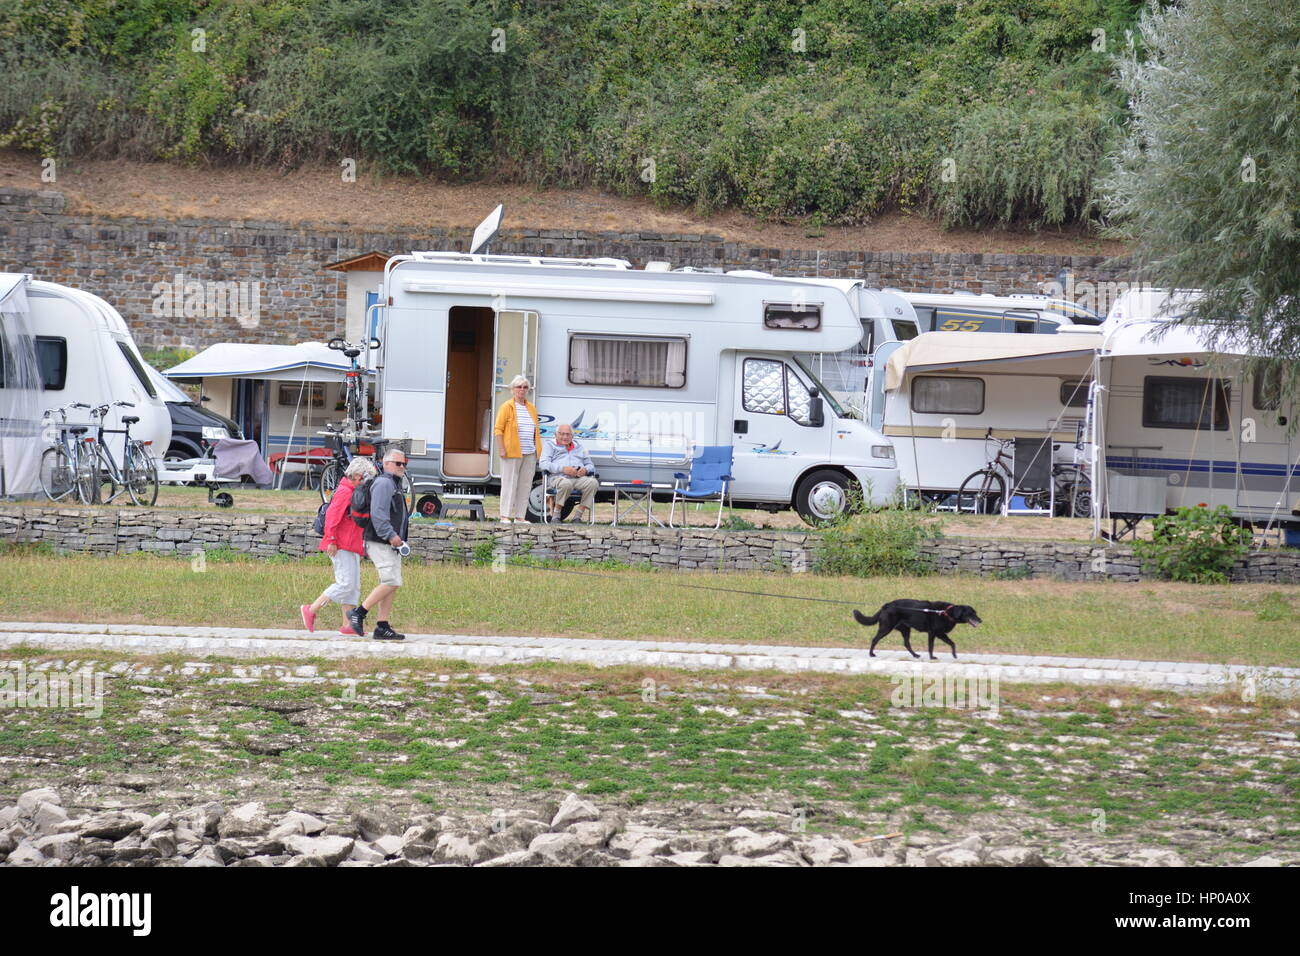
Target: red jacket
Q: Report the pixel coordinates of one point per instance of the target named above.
(340, 529)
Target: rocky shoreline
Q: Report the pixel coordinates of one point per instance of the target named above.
(39, 831)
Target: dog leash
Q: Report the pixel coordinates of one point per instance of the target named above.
(699, 587)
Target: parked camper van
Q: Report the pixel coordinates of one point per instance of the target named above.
(83, 352)
(645, 364)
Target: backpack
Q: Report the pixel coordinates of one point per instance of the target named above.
(319, 524)
(361, 504)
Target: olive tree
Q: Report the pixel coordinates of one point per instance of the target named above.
(1206, 183)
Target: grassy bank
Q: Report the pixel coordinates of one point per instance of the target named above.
(1245, 624)
(1051, 763)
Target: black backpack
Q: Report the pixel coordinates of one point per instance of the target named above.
(319, 525)
(361, 503)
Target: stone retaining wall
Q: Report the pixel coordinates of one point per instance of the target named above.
(121, 258)
(127, 530)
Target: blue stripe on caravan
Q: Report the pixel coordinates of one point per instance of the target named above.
(1202, 465)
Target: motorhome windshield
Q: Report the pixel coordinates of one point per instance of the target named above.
(825, 393)
(905, 329)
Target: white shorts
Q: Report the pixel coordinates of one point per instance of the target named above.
(346, 588)
(386, 561)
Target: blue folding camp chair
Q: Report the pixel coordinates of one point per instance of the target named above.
(708, 479)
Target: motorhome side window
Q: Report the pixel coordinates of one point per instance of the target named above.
(771, 388)
(934, 394)
(795, 315)
(641, 361)
(136, 367)
(1185, 403)
(1268, 389)
(51, 362)
(1074, 393)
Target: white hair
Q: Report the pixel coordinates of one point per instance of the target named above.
(520, 380)
(393, 453)
(362, 468)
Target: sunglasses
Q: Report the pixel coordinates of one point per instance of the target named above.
(399, 464)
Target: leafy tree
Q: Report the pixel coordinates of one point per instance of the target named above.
(1207, 181)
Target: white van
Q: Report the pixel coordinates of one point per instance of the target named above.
(645, 364)
(63, 345)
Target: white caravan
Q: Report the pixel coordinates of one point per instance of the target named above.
(1180, 425)
(948, 392)
(645, 364)
(63, 345)
(1166, 420)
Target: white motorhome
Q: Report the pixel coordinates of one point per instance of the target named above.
(646, 365)
(63, 345)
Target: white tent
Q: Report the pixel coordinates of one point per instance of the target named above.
(290, 417)
(305, 362)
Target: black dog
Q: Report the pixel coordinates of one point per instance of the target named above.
(930, 617)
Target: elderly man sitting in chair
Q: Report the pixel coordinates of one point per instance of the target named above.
(569, 467)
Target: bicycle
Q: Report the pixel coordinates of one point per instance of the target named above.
(61, 461)
(341, 442)
(984, 491)
(138, 475)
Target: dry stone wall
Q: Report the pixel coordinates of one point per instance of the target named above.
(130, 530)
(122, 258)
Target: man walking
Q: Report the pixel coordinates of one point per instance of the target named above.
(385, 533)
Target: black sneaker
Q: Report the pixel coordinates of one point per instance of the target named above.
(357, 618)
(386, 633)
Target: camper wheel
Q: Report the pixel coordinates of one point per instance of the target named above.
(823, 496)
(223, 500)
(429, 506)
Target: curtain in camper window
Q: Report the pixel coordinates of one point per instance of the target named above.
(1185, 403)
(643, 362)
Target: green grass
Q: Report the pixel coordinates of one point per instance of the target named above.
(1143, 621)
(589, 730)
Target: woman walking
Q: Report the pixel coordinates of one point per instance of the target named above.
(343, 542)
(520, 440)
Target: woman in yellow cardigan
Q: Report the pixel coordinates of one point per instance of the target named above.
(519, 440)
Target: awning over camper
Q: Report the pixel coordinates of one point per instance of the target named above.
(1159, 338)
(956, 351)
(308, 361)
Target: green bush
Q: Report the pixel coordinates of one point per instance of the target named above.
(888, 542)
(1199, 545)
(834, 110)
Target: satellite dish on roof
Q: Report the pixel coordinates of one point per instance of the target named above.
(487, 229)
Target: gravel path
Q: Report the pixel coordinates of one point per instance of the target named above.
(269, 642)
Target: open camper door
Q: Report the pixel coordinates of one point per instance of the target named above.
(515, 354)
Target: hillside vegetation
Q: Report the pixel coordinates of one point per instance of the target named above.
(980, 111)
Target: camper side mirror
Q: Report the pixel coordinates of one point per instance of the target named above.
(336, 344)
(817, 413)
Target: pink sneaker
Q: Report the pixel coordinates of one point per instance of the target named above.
(308, 617)
(347, 631)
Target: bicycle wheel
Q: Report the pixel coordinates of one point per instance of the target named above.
(981, 493)
(329, 480)
(104, 486)
(56, 475)
(141, 475)
(84, 469)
